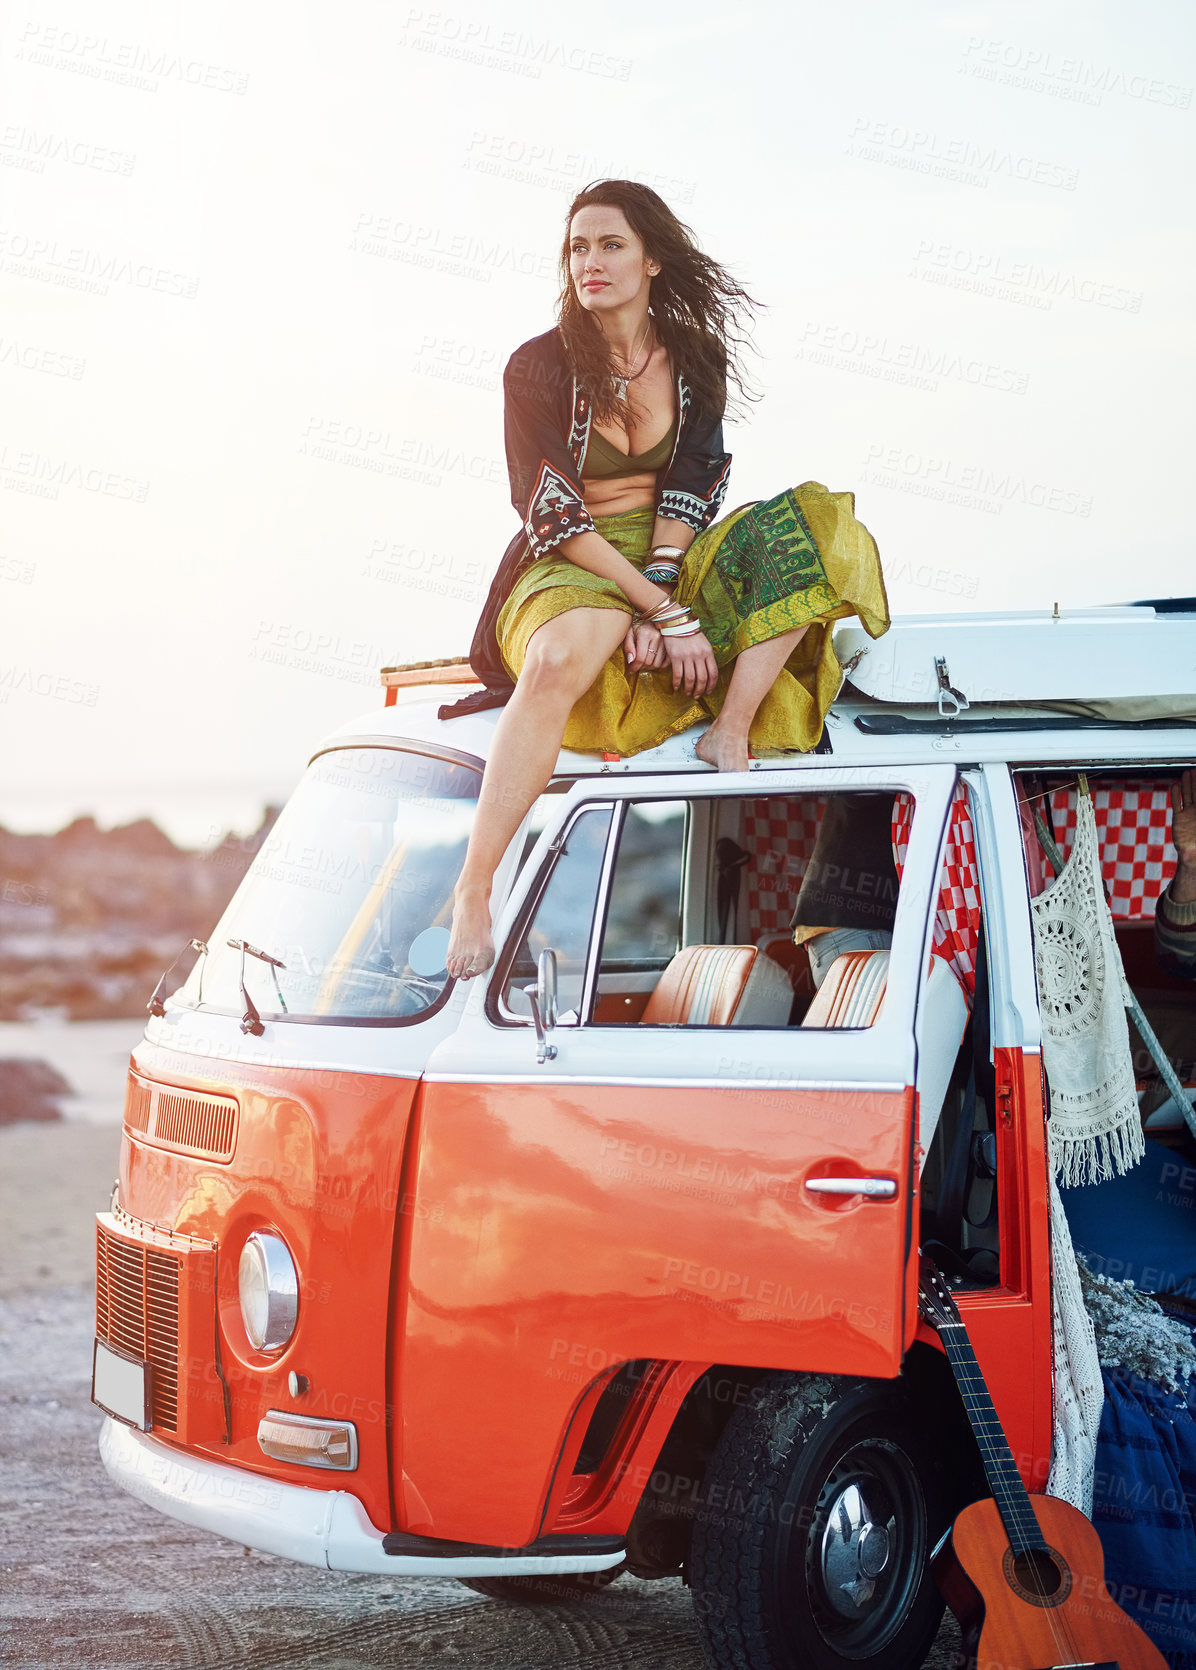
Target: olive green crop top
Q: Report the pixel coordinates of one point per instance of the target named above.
(603, 459)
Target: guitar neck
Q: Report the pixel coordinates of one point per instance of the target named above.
(1000, 1469)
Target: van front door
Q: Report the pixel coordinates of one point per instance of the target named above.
(726, 1193)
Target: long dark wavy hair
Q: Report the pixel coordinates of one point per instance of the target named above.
(699, 311)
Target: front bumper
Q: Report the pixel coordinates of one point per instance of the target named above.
(327, 1528)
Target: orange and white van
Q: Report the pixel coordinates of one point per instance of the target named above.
(610, 1261)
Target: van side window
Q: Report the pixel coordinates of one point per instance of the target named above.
(563, 918)
(643, 916)
(700, 919)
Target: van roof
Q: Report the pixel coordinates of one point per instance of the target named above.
(1108, 655)
(1115, 684)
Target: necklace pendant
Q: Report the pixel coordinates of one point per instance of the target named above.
(620, 386)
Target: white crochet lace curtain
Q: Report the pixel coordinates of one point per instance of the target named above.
(1078, 1390)
(1094, 1131)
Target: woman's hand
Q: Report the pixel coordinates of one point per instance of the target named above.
(1183, 816)
(1183, 833)
(644, 648)
(694, 668)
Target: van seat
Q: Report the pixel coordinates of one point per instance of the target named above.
(942, 1023)
(768, 996)
(702, 986)
(852, 992)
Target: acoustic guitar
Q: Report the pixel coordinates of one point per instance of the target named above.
(1025, 1575)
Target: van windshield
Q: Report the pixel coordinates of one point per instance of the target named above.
(360, 864)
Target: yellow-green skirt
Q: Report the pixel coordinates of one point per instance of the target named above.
(800, 559)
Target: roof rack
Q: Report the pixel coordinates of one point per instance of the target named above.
(455, 670)
(901, 724)
(1167, 605)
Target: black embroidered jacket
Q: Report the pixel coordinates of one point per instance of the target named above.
(547, 421)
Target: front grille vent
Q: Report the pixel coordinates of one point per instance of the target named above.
(137, 1312)
(137, 1104)
(187, 1121)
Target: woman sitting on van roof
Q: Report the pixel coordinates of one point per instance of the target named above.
(622, 612)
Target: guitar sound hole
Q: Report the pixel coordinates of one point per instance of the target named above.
(1036, 1571)
(1038, 1575)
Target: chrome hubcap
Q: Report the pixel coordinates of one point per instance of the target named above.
(856, 1547)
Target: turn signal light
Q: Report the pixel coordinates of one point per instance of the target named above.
(308, 1442)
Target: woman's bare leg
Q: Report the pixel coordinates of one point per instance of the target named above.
(725, 744)
(564, 657)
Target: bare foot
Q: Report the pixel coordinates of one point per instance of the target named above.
(471, 949)
(726, 753)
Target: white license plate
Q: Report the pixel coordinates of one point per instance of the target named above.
(121, 1385)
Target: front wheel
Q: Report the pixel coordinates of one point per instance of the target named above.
(820, 1506)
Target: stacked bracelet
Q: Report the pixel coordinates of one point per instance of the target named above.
(665, 565)
(666, 611)
(673, 620)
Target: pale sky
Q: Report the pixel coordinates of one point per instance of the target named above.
(261, 268)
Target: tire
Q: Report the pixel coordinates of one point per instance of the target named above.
(802, 1483)
(540, 1591)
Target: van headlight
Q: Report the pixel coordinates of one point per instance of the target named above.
(268, 1285)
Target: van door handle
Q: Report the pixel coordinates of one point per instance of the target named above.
(876, 1188)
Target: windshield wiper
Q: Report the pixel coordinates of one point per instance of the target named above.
(156, 1006)
(251, 1021)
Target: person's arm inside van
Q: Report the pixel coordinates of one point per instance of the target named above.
(1175, 918)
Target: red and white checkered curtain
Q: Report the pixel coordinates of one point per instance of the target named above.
(1133, 822)
(957, 918)
(779, 835)
(1133, 826)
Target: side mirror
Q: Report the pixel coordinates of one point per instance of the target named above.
(542, 997)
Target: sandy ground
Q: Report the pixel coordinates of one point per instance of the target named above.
(95, 1580)
(53, 1181)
